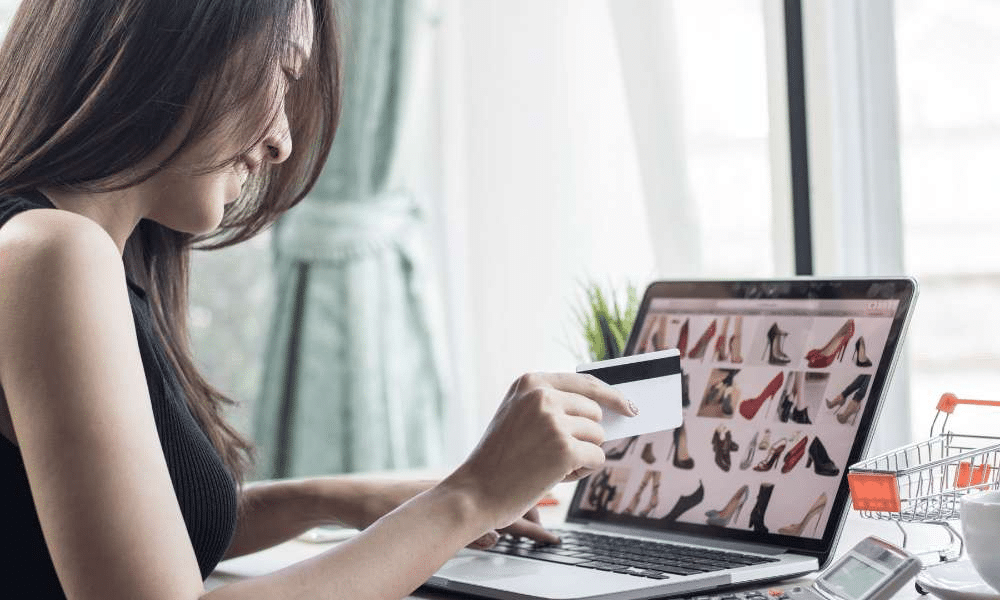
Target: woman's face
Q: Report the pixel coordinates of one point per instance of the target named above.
(183, 198)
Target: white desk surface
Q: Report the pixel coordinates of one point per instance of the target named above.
(922, 537)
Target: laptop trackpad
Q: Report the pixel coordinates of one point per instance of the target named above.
(534, 578)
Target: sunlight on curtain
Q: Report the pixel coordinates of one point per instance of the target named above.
(551, 191)
(948, 58)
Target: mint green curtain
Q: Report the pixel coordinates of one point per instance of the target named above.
(352, 376)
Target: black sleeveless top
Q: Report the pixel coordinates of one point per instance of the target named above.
(205, 490)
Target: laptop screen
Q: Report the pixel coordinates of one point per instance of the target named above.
(782, 383)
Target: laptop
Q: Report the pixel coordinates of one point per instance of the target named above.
(783, 382)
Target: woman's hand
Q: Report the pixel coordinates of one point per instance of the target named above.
(546, 430)
(528, 526)
(391, 494)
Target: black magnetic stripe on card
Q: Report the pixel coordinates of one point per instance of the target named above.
(661, 367)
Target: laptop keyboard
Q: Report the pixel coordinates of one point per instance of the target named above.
(656, 560)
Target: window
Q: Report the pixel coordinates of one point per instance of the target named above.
(948, 55)
(577, 152)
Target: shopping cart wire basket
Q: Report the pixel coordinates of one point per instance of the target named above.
(925, 481)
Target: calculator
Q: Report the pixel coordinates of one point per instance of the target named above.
(872, 570)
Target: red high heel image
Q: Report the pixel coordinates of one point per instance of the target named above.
(834, 349)
(750, 406)
(699, 348)
(682, 339)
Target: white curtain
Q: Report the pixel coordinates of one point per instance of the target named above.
(854, 160)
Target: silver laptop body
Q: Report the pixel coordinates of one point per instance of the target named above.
(829, 392)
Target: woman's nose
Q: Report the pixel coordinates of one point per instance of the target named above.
(278, 143)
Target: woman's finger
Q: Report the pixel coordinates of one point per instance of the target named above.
(589, 458)
(582, 406)
(486, 541)
(593, 388)
(585, 430)
(531, 530)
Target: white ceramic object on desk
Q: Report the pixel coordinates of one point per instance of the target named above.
(955, 581)
(980, 514)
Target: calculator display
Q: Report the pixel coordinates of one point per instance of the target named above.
(852, 578)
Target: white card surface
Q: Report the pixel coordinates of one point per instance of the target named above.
(652, 381)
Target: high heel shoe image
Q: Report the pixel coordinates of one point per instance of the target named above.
(751, 451)
(615, 453)
(856, 390)
(816, 510)
(731, 511)
(850, 413)
(724, 446)
(685, 393)
(686, 503)
(765, 442)
(772, 351)
(760, 508)
(750, 406)
(650, 477)
(795, 454)
(681, 458)
(820, 358)
(736, 341)
(772, 456)
(698, 351)
(720, 342)
(788, 395)
(860, 356)
(820, 460)
(682, 338)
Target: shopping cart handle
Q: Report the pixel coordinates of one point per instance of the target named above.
(949, 401)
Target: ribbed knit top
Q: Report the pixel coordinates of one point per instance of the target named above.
(205, 490)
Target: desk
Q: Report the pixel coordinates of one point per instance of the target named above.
(856, 529)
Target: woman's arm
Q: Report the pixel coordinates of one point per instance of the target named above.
(75, 387)
(272, 512)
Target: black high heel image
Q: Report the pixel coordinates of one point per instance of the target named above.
(772, 351)
(723, 445)
(757, 515)
(797, 415)
(617, 453)
(824, 465)
(680, 447)
(686, 503)
(785, 405)
(602, 493)
(860, 356)
(685, 396)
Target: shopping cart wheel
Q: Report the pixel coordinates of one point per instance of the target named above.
(920, 589)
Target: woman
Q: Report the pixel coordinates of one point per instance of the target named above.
(129, 130)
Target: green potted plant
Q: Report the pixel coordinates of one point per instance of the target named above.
(605, 319)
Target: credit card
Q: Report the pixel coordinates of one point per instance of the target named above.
(652, 381)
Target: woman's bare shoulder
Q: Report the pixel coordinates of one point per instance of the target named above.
(79, 405)
(46, 234)
(55, 262)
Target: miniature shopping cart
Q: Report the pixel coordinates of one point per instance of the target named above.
(924, 482)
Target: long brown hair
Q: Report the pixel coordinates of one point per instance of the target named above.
(92, 87)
